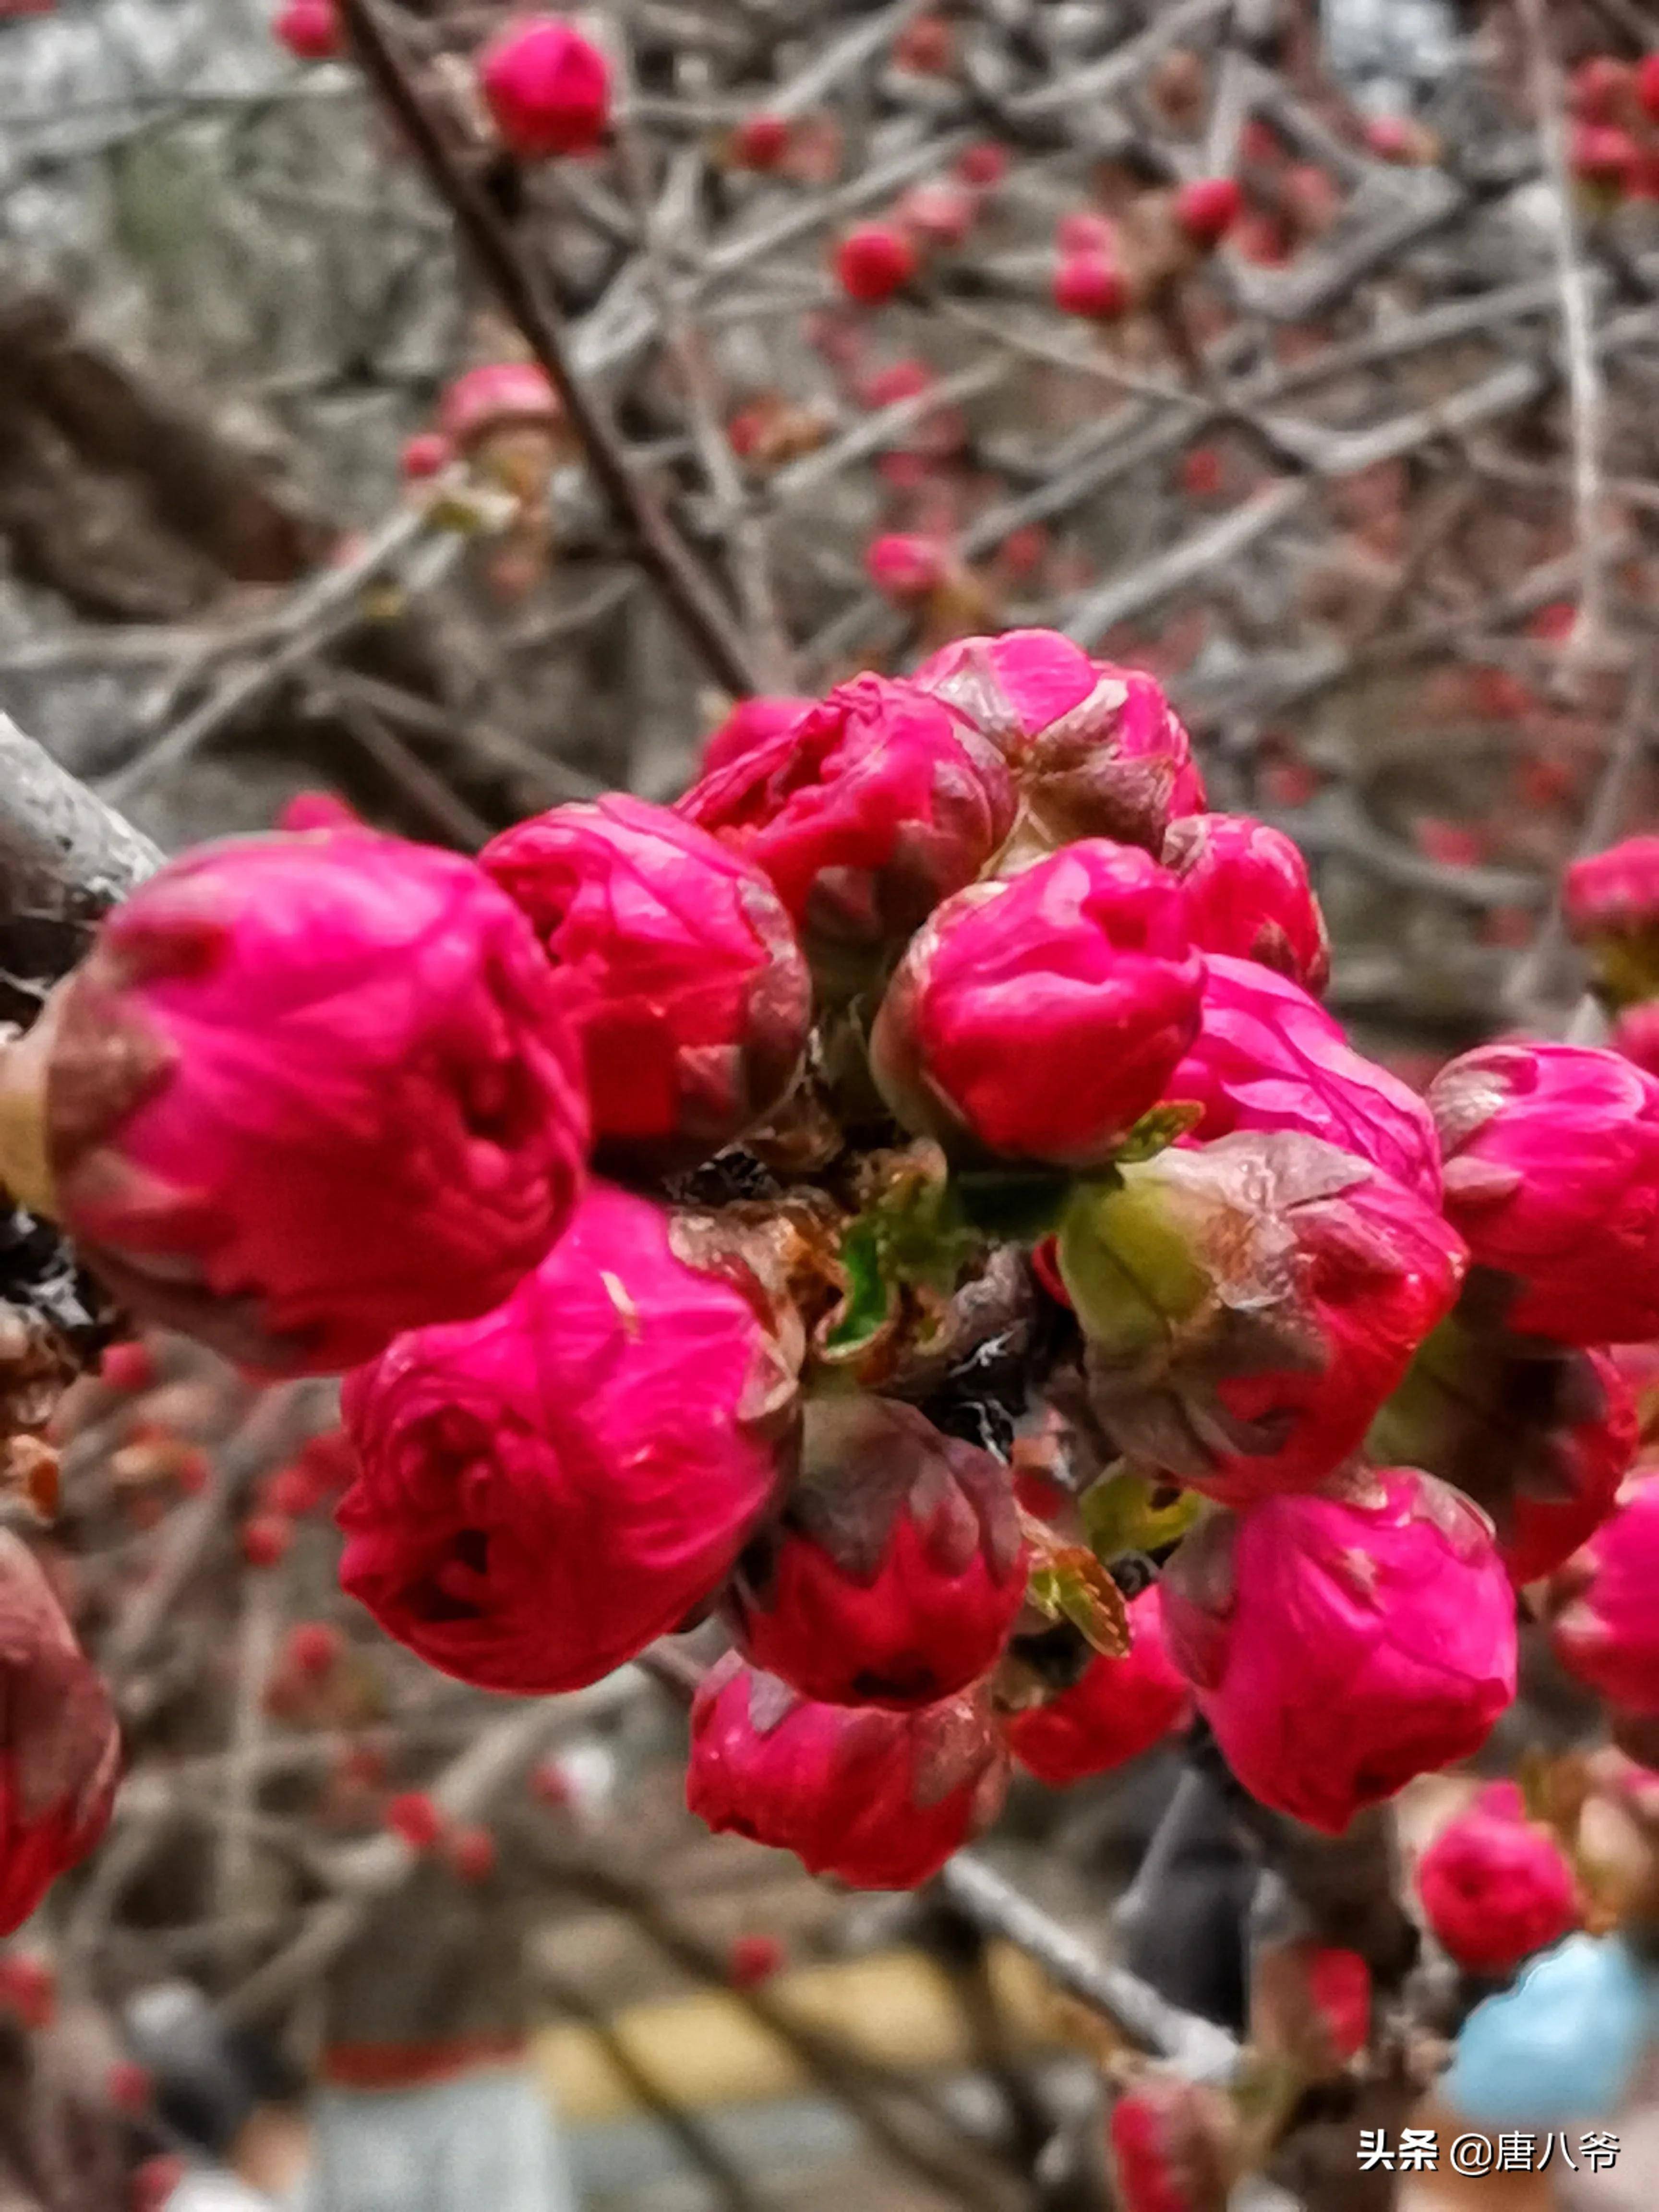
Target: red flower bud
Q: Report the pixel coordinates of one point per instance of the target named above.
(544, 1491)
(1207, 208)
(874, 261)
(750, 723)
(1495, 1886)
(1552, 1171)
(414, 1817)
(1083, 232)
(879, 1798)
(59, 1747)
(985, 164)
(266, 1539)
(1269, 1057)
(471, 1853)
(313, 1647)
(1097, 750)
(1249, 1305)
(864, 813)
(128, 2086)
(1172, 2142)
(1091, 285)
(1636, 1034)
(760, 142)
(1247, 894)
(1601, 87)
(310, 30)
(1039, 1016)
(157, 2181)
(1341, 1645)
(1611, 900)
(754, 1960)
(426, 454)
(28, 1990)
(1609, 1635)
(1117, 1708)
(1647, 85)
(906, 567)
(316, 810)
(941, 212)
(547, 88)
(1537, 1434)
(280, 1055)
(1601, 153)
(130, 1366)
(895, 1574)
(690, 993)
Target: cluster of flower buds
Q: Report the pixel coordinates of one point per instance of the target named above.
(1615, 137)
(960, 1011)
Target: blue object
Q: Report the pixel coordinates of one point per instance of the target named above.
(1562, 2044)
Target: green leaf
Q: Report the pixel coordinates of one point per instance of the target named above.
(1071, 1585)
(1119, 1516)
(870, 1295)
(1013, 1206)
(1156, 1131)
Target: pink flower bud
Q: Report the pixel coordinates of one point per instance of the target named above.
(1097, 750)
(425, 454)
(895, 1572)
(310, 30)
(1249, 1305)
(306, 1092)
(1091, 285)
(873, 262)
(692, 994)
(1117, 1710)
(60, 1751)
(1085, 230)
(1495, 1887)
(546, 1490)
(1339, 1645)
(940, 213)
(1539, 1435)
(880, 1799)
(547, 88)
(750, 723)
(1551, 1170)
(1609, 1635)
(1247, 894)
(1207, 208)
(1172, 2142)
(760, 142)
(498, 396)
(1611, 900)
(906, 567)
(864, 813)
(1037, 1017)
(1636, 1034)
(1269, 1057)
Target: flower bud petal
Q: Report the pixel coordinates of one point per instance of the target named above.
(692, 994)
(1339, 1645)
(1269, 1057)
(1118, 1708)
(1495, 1887)
(894, 1573)
(1247, 894)
(1551, 1172)
(1038, 1018)
(1249, 1305)
(306, 1092)
(864, 813)
(544, 1491)
(879, 1798)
